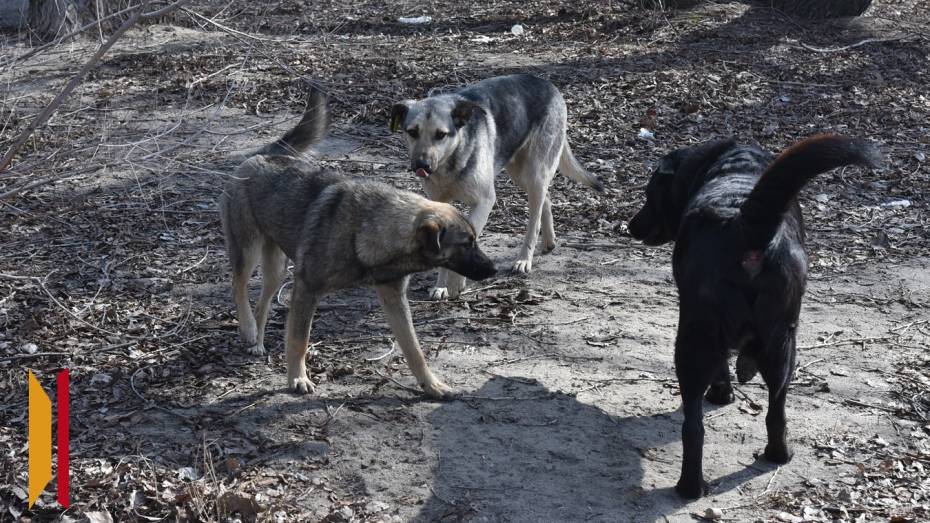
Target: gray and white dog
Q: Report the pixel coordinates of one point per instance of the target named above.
(459, 141)
(339, 232)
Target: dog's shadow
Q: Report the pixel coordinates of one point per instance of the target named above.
(520, 452)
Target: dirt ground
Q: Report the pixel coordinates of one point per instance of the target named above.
(112, 265)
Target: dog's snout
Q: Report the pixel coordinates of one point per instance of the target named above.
(421, 162)
(484, 267)
(636, 226)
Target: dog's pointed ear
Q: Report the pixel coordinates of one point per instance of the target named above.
(462, 112)
(398, 114)
(429, 235)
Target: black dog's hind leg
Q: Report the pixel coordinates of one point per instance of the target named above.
(697, 362)
(721, 391)
(777, 374)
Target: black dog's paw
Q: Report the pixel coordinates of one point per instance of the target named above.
(746, 368)
(692, 489)
(720, 394)
(779, 454)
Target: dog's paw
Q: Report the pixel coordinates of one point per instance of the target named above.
(257, 349)
(692, 489)
(779, 454)
(746, 368)
(439, 293)
(455, 287)
(720, 394)
(523, 266)
(249, 333)
(301, 384)
(548, 247)
(436, 389)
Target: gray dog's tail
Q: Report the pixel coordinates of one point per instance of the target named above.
(570, 167)
(309, 131)
(764, 208)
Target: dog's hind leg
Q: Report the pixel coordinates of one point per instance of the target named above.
(536, 199)
(696, 364)
(242, 247)
(393, 297)
(273, 266)
(548, 229)
(244, 261)
(777, 373)
(304, 300)
(533, 172)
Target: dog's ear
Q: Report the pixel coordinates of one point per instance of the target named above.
(670, 162)
(398, 114)
(699, 158)
(462, 112)
(429, 235)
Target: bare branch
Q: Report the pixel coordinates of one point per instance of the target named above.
(79, 77)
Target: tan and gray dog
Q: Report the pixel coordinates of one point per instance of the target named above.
(459, 141)
(339, 232)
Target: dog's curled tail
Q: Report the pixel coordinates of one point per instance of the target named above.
(571, 167)
(309, 131)
(764, 208)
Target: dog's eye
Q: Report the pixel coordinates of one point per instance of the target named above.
(441, 134)
(413, 133)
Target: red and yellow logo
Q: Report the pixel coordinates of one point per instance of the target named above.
(40, 438)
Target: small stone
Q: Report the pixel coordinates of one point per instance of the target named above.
(101, 379)
(788, 518)
(713, 513)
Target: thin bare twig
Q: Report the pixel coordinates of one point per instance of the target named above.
(851, 46)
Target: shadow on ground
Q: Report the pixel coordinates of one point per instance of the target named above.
(547, 456)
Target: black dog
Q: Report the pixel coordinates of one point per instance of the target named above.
(741, 268)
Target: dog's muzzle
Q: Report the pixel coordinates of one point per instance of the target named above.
(475, 266)
(422, 168)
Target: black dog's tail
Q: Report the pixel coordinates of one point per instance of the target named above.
(309, 131)
(765, 206)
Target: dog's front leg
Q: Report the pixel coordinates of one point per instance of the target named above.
(299, 321)
(478, 217)
(441, 290)
(696, 364)
(691, 484)
(393, 297)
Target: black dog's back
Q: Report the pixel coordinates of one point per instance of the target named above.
(746, 203)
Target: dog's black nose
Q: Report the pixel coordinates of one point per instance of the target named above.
(421, 163)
